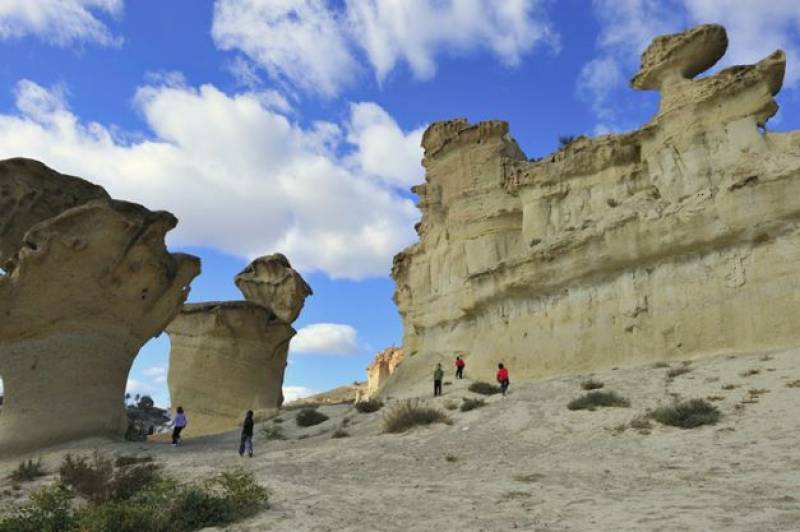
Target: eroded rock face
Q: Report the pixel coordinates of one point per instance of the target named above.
(271, 282)
(226, 358)
(30, 192)
(677, 240)
(385, 363)
(89, 287)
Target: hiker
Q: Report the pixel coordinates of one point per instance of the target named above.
(247, 435)
(438, 375)
(460, 367)
(180, 423)
(502, 378)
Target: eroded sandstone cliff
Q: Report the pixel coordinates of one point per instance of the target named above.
(378, 372)
(677, 240)
(87, 289)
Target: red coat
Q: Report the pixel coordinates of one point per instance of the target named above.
(502, 375)
(460, 363)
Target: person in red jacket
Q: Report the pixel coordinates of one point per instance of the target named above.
(460, 367)
(502, 378)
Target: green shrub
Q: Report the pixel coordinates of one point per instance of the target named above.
(592, 400)
(127, 460)
(273, 432)
(91, 479)
(308, 417)
(472, 404)
(591, 385)
(28, 470)
(687, 414)
(408, 414)
(484, 388)
(49, 510)
(130, 480)
(369, 406)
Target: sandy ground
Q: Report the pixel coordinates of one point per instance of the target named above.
(526, 462)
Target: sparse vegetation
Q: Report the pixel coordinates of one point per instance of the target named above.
(687, 414)
(484, 388)
(271, 432)
(676, 372)
(566, 140)
(451, 405)
(340, 433)
(28, 471)
(661, 365)
(308, 417)
(411, 413)
(134, 497)
(369, 406)
(750, 372)
(530, 478)
(472, 404)
(277, 420)
(591, 384)
(126, 460)
(451, 458)
(714, 398)
(641, 423)
(793, 384)
(592, 400)
(729, 386)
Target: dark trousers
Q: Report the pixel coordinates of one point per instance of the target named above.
(459, 372)
(176, 434)
(437, 388)
(246, 444)
(504, 386)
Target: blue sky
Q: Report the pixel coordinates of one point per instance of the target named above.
(294, 125)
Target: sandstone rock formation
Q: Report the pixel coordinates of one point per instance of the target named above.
(30, 192)
(87, 289)
(229, 357)
(677, 240)
(272, 283)
(385, 363)
(226, 358)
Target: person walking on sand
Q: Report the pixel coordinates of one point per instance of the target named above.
(247, 435)
(180, 424)
(502, 378)
(438, 375)
(460, 367)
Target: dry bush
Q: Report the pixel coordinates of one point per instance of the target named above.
(793, 384)
(661, 365)
(308, 417)
(729, 386)
(641, 423)
(28, 471)
(592, 400)
(687, 414)
(484, 388)
(675, 372)
(271, 432)
(369, 406)
(411, 413)
(451, 458)
(591, 385)
(451, 405)
(471, 404)
(750, 372)
(714, 398)
(340, 433)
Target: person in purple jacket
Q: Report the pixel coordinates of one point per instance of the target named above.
(180, 423)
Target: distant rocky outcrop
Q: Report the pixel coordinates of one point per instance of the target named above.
(676, 240)
(385, 363)
(229, 357)
(87, 287)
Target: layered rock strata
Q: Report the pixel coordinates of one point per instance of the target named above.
(378, 372)
(677, 240)
(229, 357)
(87, 289)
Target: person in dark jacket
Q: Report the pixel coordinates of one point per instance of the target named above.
(247, 435)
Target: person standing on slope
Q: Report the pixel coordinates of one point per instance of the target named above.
(247, 435)
(180, 424)
(502, 378)
(460, 367)
(438, 375)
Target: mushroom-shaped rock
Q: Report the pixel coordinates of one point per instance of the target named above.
(271, 282)
(680, 56)
(226, 358)
(30, 192)
(89, 287)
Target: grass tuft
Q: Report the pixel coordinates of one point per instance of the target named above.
(308, 417)
(591, 384)
(472, 404)
(411, 413)
(28, 471)
(592, 400)
(369, 406)
(687, 414)
(484, 388)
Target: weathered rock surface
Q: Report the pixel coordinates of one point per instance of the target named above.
(229, 357)
(89, 287)
(677, 240)
(385, 363)
(30, 192)
(226, 358)
(271, 282)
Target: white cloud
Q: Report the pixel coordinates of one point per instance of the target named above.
(755, 29)
(319, 48)
(292, 393)
(157, 373)
(240, 176)
(325, 339)
(133, 387)
(59, 22)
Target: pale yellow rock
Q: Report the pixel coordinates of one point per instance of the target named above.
(226, 358)
(677, 240)
(271, 282)
(30, 192)
(385, 363)
(89, 288)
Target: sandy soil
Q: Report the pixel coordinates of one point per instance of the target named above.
(527, 462)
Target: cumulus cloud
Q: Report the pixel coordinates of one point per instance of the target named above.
(157, 373)
(134, 386)
(325, 339)
(755, 29)
(59, 22)
(292, 393)
(240, 175)
(319, 47)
